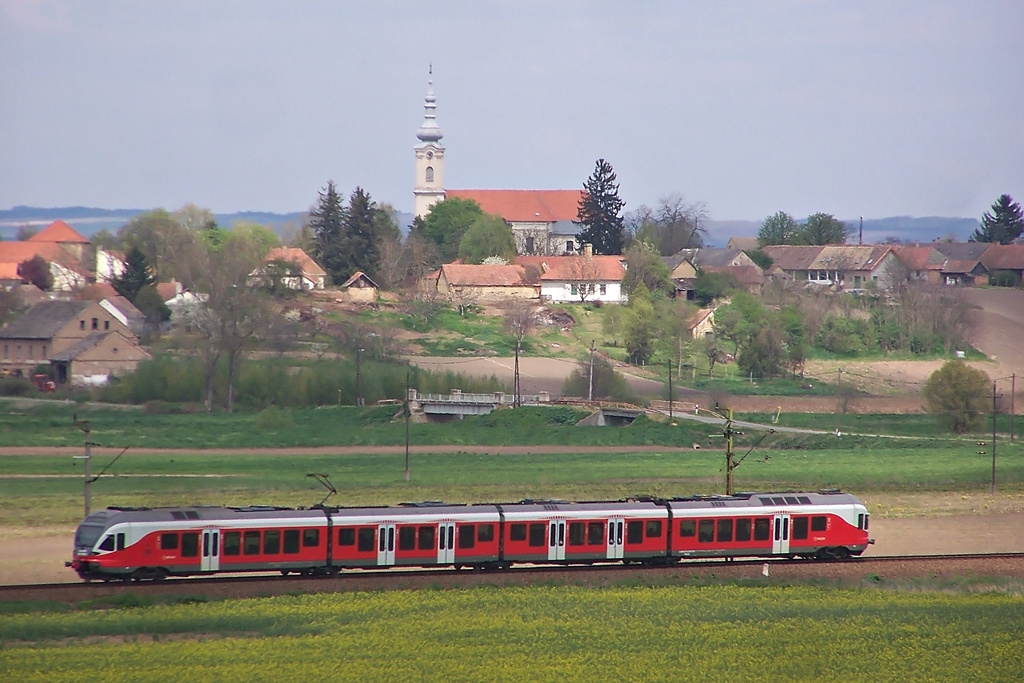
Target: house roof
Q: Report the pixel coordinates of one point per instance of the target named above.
(17, 252)
(848, 257)
(790, 257)
(44, 320)
(743, 243)
(168, 290)
(744, 275)
(710, 257)
(699, 317)
(296, 255)
(920, 258)
(962, 251)
(85, 343)
(524, 206)
(677, 259)
(598, 268)
(462, 274)
(58, 231)
(1004, 257)
(359, 275)
(126, 307)
(964, 267)
(97, 291)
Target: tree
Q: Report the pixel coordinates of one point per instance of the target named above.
(11, 304)
(710, 286)
(823, 228)
(764, 353)
(582, 272)
(161, 237)
(600, 211)
(679, 224)
(326, 222)
(958, 395)
(644, 267)
(26, 232)
(520, 319)
(1003, 224)
(359, 239)
(488, 236)
(674, 329)
(260, 235)
(779, 228)
(761, 258)
(446, 223)
(151, 304)
(136, 275)
(36, 271)
(640, 323)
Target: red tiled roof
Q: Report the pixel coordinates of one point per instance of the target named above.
(460, 274)
(167, 290)
(744, 275)
(17, 252)
(1004, 257)
(920, 258)
(58, 231)
(790, 257)
(97, 292)
(607, 268)
(296, 255)
(522, 206)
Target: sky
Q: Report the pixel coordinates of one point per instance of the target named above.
(872, 108)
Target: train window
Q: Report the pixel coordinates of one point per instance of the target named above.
(635, 532)
(427, 535)
(595, 533)
(407, 538)
(271, 542)
(346, 536)
(120, 541)
(762, 529)
(799, 527)
(792, 500)
(867, 520)
(467, 536)
(653, 528)
(366, 538)
(804, 500)
(538, 535)
(232, 543)
(779, 500)
(291, 541)
(485, 533)
(168, 541)
(576, 533)
(742, 529)
(724, 530)
(311, 538)
(688, 528)
(108, 543)
(190, 545)
(766, 501)
(706, 533)
(819, 523)
(383, 541)
(251, 543)
(517, 532)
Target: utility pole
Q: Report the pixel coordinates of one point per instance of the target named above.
(590, 394)
(729, 465)
(993, 487)
(87, 428)
(670, 391)
(408, 414)
(1013, 399)
(517, 398)
(359, 377)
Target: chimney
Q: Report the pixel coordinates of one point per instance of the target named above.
(588, 250)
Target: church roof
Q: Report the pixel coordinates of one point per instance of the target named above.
(526, 206)
(429, 130)
(58, 231)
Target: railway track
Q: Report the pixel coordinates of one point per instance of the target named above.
(874, 569)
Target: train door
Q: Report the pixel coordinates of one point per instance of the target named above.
(210, 561)
(556, 539)
(780, 539)
(385, 545)
(615, 538)
(446, 543)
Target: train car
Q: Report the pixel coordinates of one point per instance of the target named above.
(144, 543)
(560, 531)
(416, 534)
(823, 525)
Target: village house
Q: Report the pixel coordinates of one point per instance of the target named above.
(305, 275)
(464, 284)
(843, 266)
(923, 263)
(360, 288)
(580, 278)
(702, 323)
(963, 265)
(1006, 258)
(83, 341)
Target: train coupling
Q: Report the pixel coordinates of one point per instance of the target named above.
(871, 541)
(67, 564)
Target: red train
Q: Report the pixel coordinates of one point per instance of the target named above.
(144, 543)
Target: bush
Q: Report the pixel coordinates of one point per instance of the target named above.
(17, 386)
(1004, 278)
(958, 395)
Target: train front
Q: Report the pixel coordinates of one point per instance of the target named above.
(86, 554)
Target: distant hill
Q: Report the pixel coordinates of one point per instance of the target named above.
(89, 220)
(904, 228)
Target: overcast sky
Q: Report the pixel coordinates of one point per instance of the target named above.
(853, 108)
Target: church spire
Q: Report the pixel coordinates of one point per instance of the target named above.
(430, 131)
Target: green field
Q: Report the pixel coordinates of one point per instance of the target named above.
(641, 633)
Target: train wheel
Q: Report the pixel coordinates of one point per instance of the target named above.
(159, 574)
(842, 553)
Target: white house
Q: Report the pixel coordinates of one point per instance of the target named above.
(580, 278)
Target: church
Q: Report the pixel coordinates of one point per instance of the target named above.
(541, 220)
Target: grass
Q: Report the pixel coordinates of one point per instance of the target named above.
(537, 633)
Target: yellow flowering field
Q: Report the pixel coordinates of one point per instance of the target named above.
(711, 633)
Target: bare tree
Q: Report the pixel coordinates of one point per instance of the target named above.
(392, 269)
(582, 273)
(230, 313)
(520, 319)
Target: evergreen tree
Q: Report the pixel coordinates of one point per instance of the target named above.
(600, 210)
(361, 249)
(36, 271)
(136, 275)
(326, 221)
(1003, 224)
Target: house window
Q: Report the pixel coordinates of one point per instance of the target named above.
(529, 245)
(430, 174)
(31, 351)
(106, 324)
(95, 323)
(81, 324)
(604, 289)
(573, 289)
(44, 352)
(569, 246)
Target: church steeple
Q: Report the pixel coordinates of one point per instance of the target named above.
(429, 155)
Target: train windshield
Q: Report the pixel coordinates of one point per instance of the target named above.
(88, 534)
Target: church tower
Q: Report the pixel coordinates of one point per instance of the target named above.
(429, 188)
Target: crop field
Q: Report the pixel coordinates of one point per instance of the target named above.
(568, 633)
